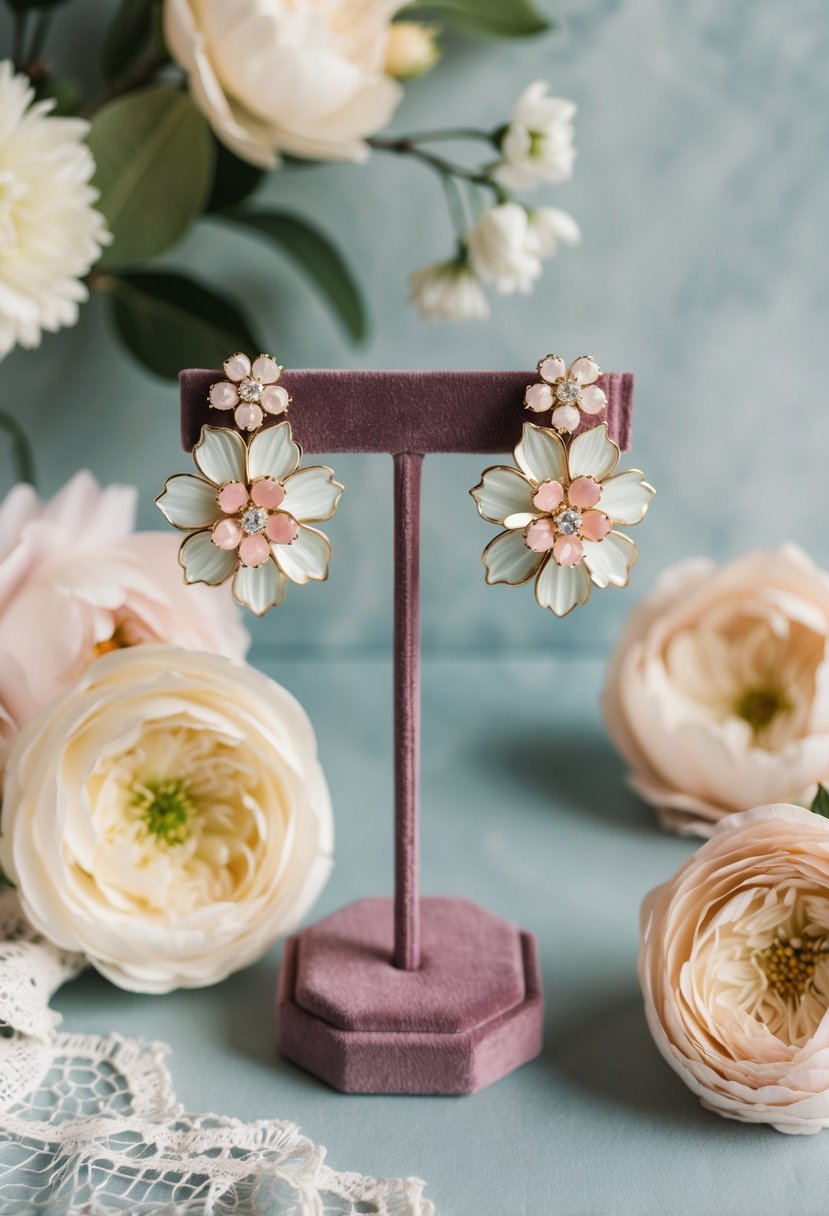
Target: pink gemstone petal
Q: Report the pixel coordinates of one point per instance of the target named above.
(593, 399)
(540, 535)
(548, 496)
(248, 416)
(274, 399)
(567, 550)
(267, 493)
(594, 525)
(584, 492)
(237, 367)
(585, 370)
(254, 550)
(226, 534)
(266, 369)
(282, 528)
(223, 396)
(566, 418)
(552, 368)
(233, 497)
(538, 398)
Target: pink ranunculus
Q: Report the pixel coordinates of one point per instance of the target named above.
(734, 968)
(76, 582)
(718, 692)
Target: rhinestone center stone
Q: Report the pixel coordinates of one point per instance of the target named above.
(568, 521)
(568, 392)
(250, 390)
(254, 520)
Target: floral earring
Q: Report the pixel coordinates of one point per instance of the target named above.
(250, 510)
(561, 504)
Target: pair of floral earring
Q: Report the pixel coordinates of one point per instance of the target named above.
(250, 513)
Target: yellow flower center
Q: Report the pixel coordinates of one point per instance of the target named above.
(166, 808)
(760, 706)
(789, 965)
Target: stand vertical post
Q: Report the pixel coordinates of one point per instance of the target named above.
(407, 470)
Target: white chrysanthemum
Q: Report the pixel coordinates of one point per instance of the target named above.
(537, 146)
(50, 234)
(448, 291)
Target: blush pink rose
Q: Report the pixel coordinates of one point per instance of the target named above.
(77, 582)
(734, 968)
(718, 691)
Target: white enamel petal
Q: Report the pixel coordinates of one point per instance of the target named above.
(311, 494)
(204, 562)
(541, 454)
(220, 454)
(508, 560)
(610, 560)
(306, 558)
(259, 587)
(504, 495)
(273, 453)
(593, 454)
(585, 369)
(561, 588)
(626, 497)
(188, 502)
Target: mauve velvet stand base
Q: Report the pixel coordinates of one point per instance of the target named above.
(410, 996)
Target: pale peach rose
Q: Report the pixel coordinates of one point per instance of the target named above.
(734, 968)
(76, 582)
(718, 692)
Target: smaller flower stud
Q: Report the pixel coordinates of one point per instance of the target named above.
(250, 390)
(570, 392)
(249, 510)
(561, 505)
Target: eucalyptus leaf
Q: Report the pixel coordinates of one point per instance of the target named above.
(128, 37)
(234, 179)
(169, 321)
(820, 802)
(488, 18)
(315, 255)
(154, 157)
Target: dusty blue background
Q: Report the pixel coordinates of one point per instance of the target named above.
(702, 189)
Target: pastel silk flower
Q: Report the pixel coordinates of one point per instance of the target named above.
(569, 392)
(734, 968)
(167, 818)
(274, 76)
(559, 509)
(249, 515)
(718, 691)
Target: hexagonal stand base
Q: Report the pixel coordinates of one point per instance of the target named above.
(468, 1016)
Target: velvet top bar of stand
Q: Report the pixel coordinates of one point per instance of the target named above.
(403, 411)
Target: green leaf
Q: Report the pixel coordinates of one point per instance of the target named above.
(169, 321)
(234, 180)
(26, 6)
(820, 802)
(488, 18)
(316, 255)
(154, 157)
(128, 37)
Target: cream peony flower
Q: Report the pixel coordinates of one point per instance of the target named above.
(50, 235)
(448, 291)
(559, 508)
(537, 146)
(734, 967)
(718, 691)
(503, 251)
(167, 818)
(273, 76)
(76, 582)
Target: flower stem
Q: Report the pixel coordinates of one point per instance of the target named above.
(452, 133)
(22, 453)
(145, 73)
(405, 146)
(41, 32)
(19, 40)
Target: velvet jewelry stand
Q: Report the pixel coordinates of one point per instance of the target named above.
(415, 996)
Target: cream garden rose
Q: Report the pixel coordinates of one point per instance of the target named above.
(273, 76)
(734, 967)
(167, 817)
(718, 692)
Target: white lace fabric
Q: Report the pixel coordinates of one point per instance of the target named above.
(90, 1126)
